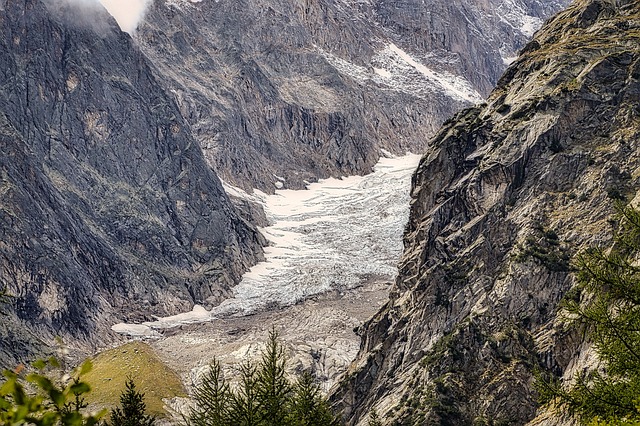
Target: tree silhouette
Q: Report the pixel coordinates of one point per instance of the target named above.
(132, 408)
(212, 398)
(273, 387)
(308, 407)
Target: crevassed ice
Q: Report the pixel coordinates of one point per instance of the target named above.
(334, 236)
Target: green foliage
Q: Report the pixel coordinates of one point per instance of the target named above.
(265, 396)
(307, 406)
(132, 410)
(374, 420)
(245, 406)
(213, 399)
(545, 246)
(41, 400)
(609, 311)
(273, 387)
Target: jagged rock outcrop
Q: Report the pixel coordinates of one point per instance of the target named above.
(283, 92)
(108, 210)
(507, 193)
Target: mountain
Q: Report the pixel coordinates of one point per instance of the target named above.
(279, 93)
(108, 209)
(507, 193)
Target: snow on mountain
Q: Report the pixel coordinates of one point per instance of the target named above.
(397, 70)
(309, 90)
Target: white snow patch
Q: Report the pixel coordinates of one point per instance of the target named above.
(257, 196)
(180, 4)
(357, 72)
(514, 15)
(386, 154)
(382, 72)
(147, 329)
(454, 86)
(395, 69)
(509, 60)
(530, 25)
(333, 236)
(328, 237)
(139, 330)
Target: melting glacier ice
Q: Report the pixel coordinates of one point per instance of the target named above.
(334, 236)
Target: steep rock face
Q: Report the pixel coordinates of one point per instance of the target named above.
(108, 210)
(279, 92)
(472, 38)
(507, 194)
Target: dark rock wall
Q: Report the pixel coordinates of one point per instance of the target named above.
(264, 102)
(508, 194)
(109, 211)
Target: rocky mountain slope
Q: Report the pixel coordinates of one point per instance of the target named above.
(508, 192)
(108, 209)
(283, 92)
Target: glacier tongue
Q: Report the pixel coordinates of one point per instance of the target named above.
(336, 235)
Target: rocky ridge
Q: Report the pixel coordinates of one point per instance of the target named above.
(108, 210)
(279, 93)
(508, 192)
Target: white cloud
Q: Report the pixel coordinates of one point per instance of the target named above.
(128, 13)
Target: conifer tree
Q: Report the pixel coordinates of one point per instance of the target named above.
(132, 408)
(374, 419)
(308, 407)
(273, 387)
(263, 397)
(245, 409)
(609, 309)
(212, 398)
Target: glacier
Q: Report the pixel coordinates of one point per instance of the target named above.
(336, 235)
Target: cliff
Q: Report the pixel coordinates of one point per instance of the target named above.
(508, 192)
(108, 210)
(283, 92)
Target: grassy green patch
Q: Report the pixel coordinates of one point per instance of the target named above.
(139, 361)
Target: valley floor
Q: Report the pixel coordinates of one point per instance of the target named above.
(331, 260)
